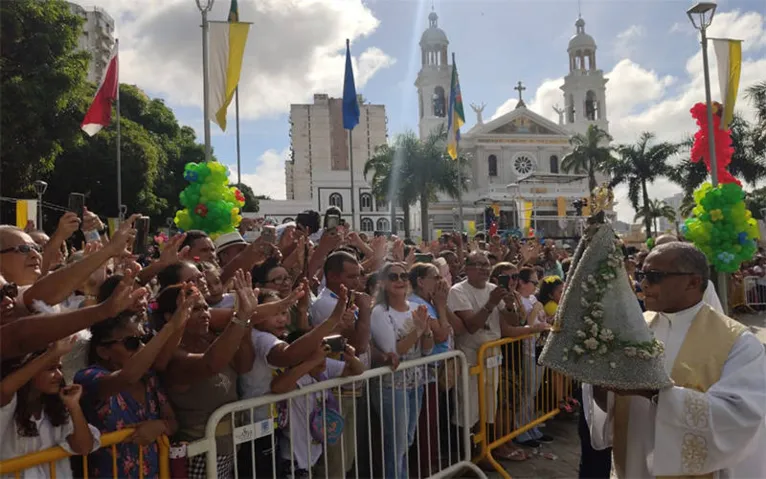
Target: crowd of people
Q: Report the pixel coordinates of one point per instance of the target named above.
(97, 338)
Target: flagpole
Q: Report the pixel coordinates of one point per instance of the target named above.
(236, 111)
(205, 6)
(460, 194)
(351, 168)
(119, 141)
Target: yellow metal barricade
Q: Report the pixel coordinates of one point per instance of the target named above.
(515, 394)
(51, 455)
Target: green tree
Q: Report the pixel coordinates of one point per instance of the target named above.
(590, 154)
(409, 170)
(757, 96)
(42, 82)
(390, 167)
(639, 165)
(654, 210)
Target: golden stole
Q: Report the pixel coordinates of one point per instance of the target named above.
(698, 366)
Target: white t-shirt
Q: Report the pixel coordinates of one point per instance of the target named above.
(387, 327)
(257, 382)
(300, 414)
(14, 445)
(464, 297)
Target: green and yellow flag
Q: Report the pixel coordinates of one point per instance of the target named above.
(729, 55)
(456, 117)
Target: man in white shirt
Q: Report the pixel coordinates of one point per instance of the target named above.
(712, 423)
(343, 269)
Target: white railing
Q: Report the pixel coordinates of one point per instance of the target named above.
(754, 289)
(372, 386)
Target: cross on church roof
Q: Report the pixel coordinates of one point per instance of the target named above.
(520, 88)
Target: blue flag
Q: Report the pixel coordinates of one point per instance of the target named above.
(350, 101)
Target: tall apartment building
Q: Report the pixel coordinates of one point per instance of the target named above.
(318, 175)
(674, 202)
(97, 38)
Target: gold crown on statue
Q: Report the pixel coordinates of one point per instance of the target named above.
(602, 199)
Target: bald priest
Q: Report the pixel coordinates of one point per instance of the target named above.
(711, 423)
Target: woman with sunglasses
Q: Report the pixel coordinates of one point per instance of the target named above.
(400, 327)
(532, 377)
(121, 390)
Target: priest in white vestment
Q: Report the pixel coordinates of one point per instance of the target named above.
(712, 423)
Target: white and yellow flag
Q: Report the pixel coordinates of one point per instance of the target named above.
(729, 56)
(227, 47)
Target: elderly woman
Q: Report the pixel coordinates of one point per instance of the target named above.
(402, 328)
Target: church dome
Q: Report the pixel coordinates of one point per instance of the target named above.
(433, 34)
(581, 40)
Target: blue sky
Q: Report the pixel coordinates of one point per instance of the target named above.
(647, 48)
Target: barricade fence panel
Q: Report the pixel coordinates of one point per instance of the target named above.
(393, 424)
(49, 457)
(754, 292)
(515, 394)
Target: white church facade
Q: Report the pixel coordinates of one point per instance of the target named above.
(515, 158)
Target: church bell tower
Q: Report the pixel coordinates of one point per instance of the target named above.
(433, 82)
(584, 86)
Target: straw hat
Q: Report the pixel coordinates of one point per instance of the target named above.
(600, 336)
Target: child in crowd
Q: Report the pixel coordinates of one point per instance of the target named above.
(217, 297)
(549, 296)
(299, 452)
(38, 410)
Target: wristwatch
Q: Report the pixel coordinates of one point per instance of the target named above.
(240, 322)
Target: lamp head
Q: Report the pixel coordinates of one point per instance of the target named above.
(701, 14)
(205, 5)
(40, 187)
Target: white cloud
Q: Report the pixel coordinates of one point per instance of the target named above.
(639, 99)
(269, 176)
(295, 48)
(626, 41)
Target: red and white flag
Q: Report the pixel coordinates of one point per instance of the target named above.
(100, 112)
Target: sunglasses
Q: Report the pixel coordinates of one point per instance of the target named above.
(9, 290)
(131, 343)
(393, 277)
(656, 277)
(23, 249)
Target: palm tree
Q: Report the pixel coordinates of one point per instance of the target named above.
(589, 155)
(410, 170)
(638, 165)
(436, 172)
(390, 167)
(654, 210)
(757, 96)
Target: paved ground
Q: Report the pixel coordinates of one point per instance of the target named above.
(566, 446)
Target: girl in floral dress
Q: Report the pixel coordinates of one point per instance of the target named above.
(121, 390)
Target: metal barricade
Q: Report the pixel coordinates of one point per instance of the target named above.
(515, 394)
(51, 455)
(754, 291)
(390, 433)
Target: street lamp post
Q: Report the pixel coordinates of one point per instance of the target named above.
(701, 16)
(40, 187)
(204, 7)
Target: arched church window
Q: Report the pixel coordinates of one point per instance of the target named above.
(367, 225)
(365, 201)
(420, 105)
(383, 224)
(591, 106)
(554, 164)
(492, 165)
(399, 224)
(439, 102)
(570, 109)
(336, 200)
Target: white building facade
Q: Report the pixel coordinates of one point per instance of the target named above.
(97, 38)
(318, 172)
(516, 158)
(674, 202)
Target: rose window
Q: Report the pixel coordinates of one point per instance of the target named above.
(523, 165)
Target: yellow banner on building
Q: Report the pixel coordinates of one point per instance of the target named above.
(471, 229)
(528, 207)
(561, 206)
